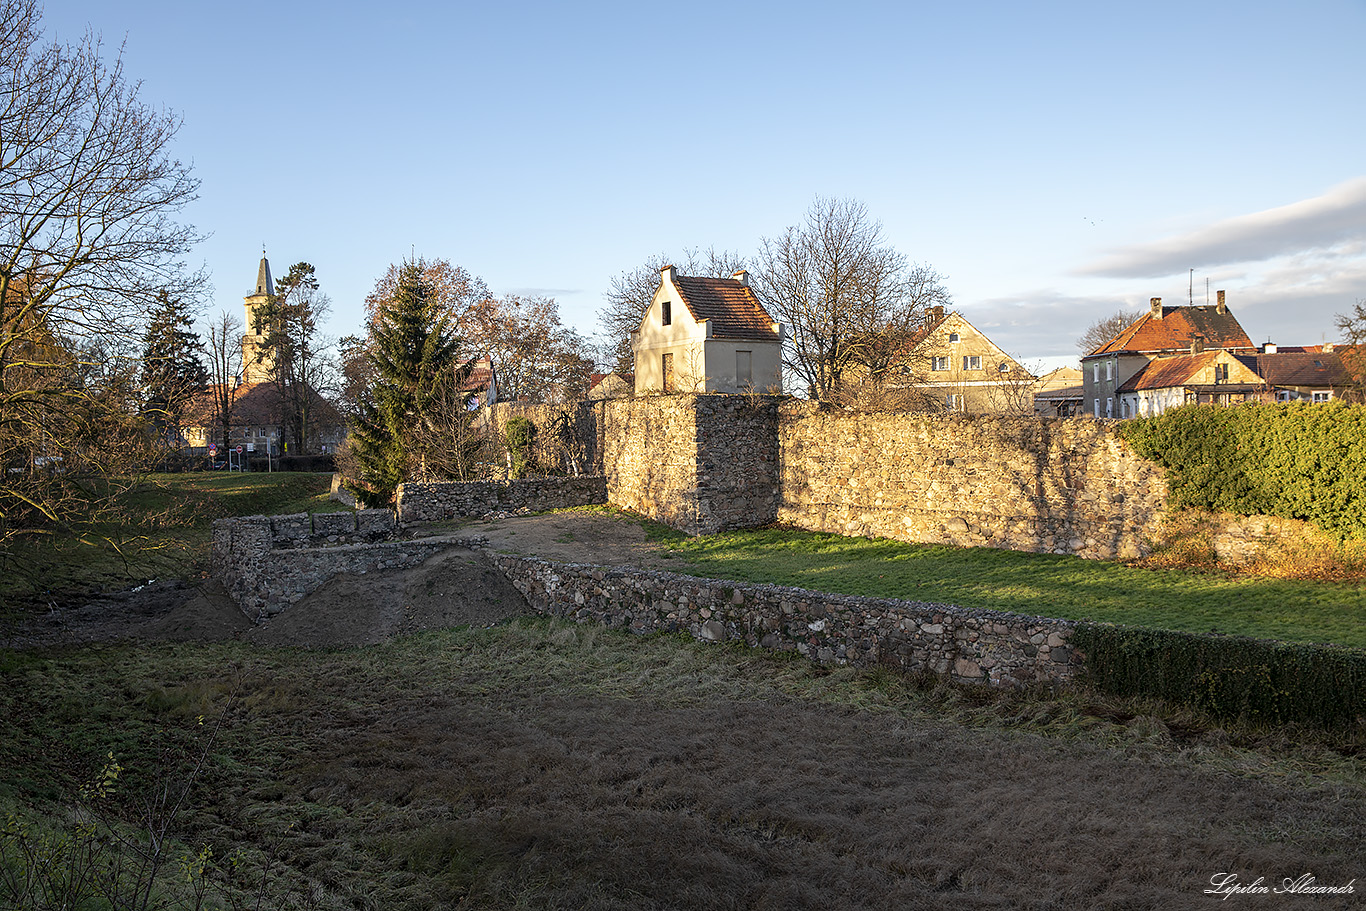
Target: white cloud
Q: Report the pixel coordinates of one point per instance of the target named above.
(1324, 223)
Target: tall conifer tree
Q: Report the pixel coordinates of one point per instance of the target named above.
(172, 362)
(413, 355)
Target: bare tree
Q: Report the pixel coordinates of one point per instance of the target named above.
(1353, 357)
(1012, 390)
(631, 292)
(842, 293)
(225, 369)
(453, 289)
(1102, 330)
(89, 192)
(534, 355)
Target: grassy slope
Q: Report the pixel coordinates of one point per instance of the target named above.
(159, 528)
(544, 765)
(1036, 584)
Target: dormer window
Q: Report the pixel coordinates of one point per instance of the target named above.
(666, 314)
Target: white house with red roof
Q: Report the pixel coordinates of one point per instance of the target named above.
(707, 335)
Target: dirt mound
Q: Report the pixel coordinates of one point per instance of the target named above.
(171, 610)
(453, 588)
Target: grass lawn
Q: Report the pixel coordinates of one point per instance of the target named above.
(1036, 584)
(159, 527)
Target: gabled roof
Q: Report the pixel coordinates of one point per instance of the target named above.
(1171, 372)
(734, 310)
(1303, 367)
(253, 404)
(481, 375)
(1176, 329)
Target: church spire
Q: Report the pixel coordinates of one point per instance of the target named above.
(263, 283)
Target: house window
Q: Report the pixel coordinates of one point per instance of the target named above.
(1097, 408)
(668, 373)
(1221, 373)
(1003, 367)
(1109, 370)
(940, 363)
(1323, 397)
(744, 368)
(972, 362)
(953, 336)
(1109, 408)
(1095, 374)
(666, 314)
(953, 402)
(1284, 395)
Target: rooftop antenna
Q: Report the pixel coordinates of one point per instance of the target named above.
(1190, 292)
(1207, 293)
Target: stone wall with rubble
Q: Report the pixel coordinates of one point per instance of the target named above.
(1031, 484)
(437, 501)
(269, 562)
(968, 645)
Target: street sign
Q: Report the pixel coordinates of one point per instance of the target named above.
(239, 450)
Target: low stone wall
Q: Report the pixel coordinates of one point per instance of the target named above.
(435, 502)
(269, 562)
(973, 646)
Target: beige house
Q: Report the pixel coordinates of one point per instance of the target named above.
(1058, 394)
(707, 335)
(950, 364)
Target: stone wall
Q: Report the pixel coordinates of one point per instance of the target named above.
(568, 436)
(709, 463)
(437, 501)
(1033, 484)
(700, 463)
(972, 646)
(650, 458)
(269, 562)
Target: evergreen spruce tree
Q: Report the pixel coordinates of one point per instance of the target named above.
(172, 364)
(413, 356)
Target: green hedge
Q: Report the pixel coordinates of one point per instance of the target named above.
(1228, 676)
(1294, 460)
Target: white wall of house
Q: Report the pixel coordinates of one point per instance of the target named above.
(701, 362)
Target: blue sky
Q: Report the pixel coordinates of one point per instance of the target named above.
(1056, 161)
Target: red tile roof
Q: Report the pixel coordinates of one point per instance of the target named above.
(1175, 331)
(1310, 366)
(731, 306)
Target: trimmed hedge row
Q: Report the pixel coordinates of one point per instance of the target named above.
(1228, 676)
(1296, 461)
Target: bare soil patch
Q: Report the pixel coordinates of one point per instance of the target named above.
(453, 588)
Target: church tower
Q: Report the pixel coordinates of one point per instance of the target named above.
(256, 364)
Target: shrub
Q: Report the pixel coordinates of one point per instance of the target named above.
(1229, 677)
(1297, 461)
(520, 435)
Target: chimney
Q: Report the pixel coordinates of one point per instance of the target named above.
(936, 313)
(1197, 343)
(668, 273)
(1156, 305)
(741, 276)
(1269, 348)
(1220, 307)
